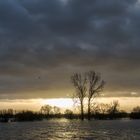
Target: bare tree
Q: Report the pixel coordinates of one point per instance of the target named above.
(114, 107)
(56, 110)
(79, 83)
(95, 86)
(46, 109)
(136, 109)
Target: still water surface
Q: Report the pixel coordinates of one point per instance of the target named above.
(62, 129)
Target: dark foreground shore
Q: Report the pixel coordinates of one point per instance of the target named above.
(36, 116)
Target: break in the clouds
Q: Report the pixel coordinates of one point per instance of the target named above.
(42, 42)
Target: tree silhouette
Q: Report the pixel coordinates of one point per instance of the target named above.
(46, 109)
(56, 110)
(95, 85)
(135, 114)
(114, 107)
(79, 83)
(136, 109)
(102, 108)
(68, 114)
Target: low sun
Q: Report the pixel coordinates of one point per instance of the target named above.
(61, 102)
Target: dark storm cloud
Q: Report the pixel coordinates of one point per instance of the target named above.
(42, 42)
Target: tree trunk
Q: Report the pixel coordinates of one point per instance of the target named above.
(82, 111)
(89, 112)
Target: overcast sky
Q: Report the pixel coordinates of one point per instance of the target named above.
(42, 42)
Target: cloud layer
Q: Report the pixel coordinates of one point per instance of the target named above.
(42, 42)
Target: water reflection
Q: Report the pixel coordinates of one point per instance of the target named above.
(71, 129)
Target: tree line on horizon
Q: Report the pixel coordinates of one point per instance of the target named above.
(99, 111)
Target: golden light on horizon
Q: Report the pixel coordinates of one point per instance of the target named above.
(126, 103)
(61, 102)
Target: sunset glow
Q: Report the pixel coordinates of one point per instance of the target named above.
(126, 103)
(62, 102)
